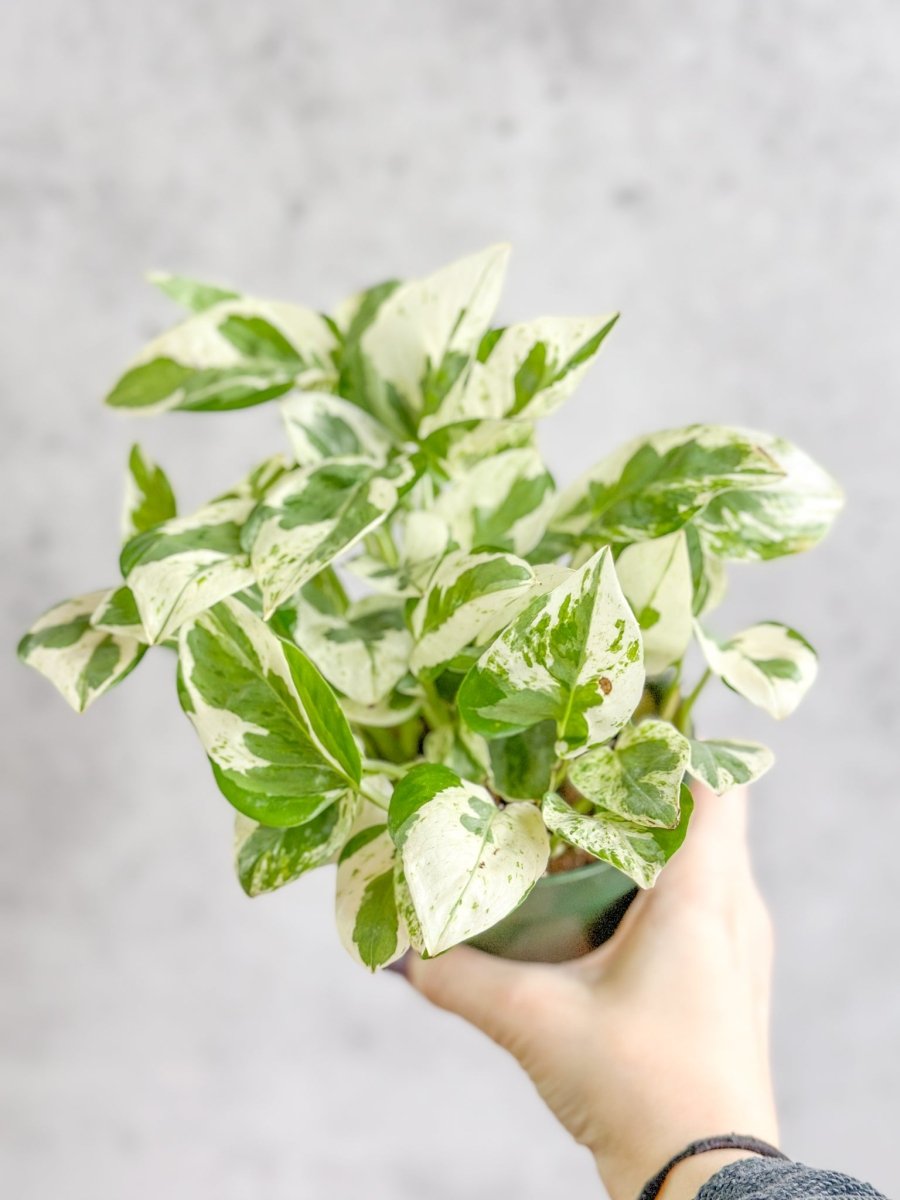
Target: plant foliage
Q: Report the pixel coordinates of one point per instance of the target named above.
(402, 650)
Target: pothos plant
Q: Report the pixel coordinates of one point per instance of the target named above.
(402, 649)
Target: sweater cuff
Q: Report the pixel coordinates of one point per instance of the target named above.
(776, 1179)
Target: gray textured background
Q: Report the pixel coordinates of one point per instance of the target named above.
(725, 173)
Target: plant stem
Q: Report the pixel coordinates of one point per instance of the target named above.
(684, 709)
(378, 766)
(434, 709)
(668, 705)
(386, 545)
(376, 800)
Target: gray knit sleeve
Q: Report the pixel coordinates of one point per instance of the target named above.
(777, 1179)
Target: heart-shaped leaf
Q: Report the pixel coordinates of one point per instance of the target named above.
(723, 765)
(466, 861)
(768, 664)
(572, 656)
(640, 779)
(639, 851)
(279, 744)
(81, 661)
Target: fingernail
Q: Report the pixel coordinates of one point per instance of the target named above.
(400, 966)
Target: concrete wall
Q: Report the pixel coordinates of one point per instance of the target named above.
(727, 174)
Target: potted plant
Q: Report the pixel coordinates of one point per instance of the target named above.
(403, 651)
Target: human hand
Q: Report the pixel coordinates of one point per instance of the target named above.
(659, 1036)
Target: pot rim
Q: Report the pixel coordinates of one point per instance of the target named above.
(595, 868)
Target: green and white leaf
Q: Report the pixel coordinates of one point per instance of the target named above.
(640, 779)
(149, 499)
(768, 664)
(352, 318)
(259, 482)
(469, 597)
(788, 516)
(363, 653)
(425, 334)
(279, 745)
(573, 656)
(405, 907)
(522, 765)
(315, 514)
(456, 449)
(723, 765)
(656, 579)
(467, 862)
(709, 576)
(655, 485)
(370, 924)
(184, 566)
(267, 858)
(502, 503)
(527, 371)
(191, 293)
(322, 426)
(81, 662)
(233, 354)
(117, 613)
(640, 852)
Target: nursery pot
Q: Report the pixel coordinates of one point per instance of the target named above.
(564, 916)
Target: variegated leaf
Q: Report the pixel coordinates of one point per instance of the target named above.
(315, 514)
(522, 765)
(788, 516)
(259, 482)
(709, 578)
(149, 499)
(184, 566)
(455, 449)
(117, 613)
(352, 318)
(502, 503)
(279, 745)
(425, 334)
(469, 597)
(321, 426)
(639, 851)
(768, 664)
(230, 355)
(640, 779)
(723, 765)
(191, 293)
(81, 662)
(267, 858)
(364, 653)
(467, 862)
(572, 656)
(656, 579)
(655, 485)
(370, 924)
(408, 915)
(526, 371)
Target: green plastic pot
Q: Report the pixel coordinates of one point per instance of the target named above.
(564, 916)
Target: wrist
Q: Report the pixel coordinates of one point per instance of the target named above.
(686, 1178)
(625, 1176)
